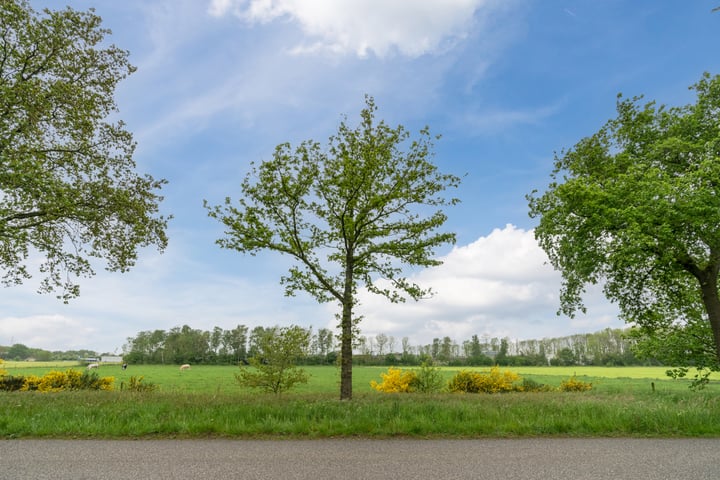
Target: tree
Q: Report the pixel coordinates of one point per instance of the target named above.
(637, 206)
(68, 189)
(501, 358)
(18, 352)
(381, 340)
(353, 214)
(272, 368)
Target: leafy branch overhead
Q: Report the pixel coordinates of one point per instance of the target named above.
(69, 190)
(636, 206)
(359, 210)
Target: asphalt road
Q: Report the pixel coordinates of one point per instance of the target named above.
(502, 459)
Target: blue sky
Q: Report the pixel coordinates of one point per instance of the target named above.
(505, 82)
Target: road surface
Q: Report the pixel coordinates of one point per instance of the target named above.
(501, 459)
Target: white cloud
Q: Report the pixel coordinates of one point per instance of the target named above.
(52, 331)
(499, 285)
(491, 121)
(363, 26)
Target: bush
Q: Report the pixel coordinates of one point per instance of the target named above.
(3, 372)
(494, 381)
(9, 383)
(530, 385)
(572, 384)
(463, 381)
(56, 381)
(395, 381)
(137, 384)
(428, 379)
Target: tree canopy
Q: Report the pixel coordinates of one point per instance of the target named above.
(354, 213)
(637, 207)
(68, 187)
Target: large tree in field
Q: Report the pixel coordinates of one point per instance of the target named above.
(68, 187)
(637, 206)
(350, 214)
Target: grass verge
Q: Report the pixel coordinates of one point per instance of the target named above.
(174, 415)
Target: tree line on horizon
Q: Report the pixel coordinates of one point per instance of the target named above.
(219, 346)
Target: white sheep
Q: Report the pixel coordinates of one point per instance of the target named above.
(184, 367)
(93, 365)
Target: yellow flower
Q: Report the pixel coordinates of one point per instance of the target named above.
(394, 381)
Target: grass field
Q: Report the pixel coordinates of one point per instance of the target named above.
(325, 380)
(205, 401)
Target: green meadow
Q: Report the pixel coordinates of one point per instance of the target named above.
(205, 401)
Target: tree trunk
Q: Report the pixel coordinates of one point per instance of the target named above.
(346, 335)
(711, 300)
(346, 353)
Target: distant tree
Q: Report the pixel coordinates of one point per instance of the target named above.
(637, 206)
(381, 340)
(325, 343)
(255, 340)
(68, 188)
(501, 358)
(353, 214)
(273, 368)
(406, 347)
(235, 343)
(566, 357)
(18, 351)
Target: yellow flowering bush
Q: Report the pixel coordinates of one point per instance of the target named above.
(572, 384)
(106, 383)
(2, 370)
(56, 381)
(395, 381)
(31, 383)
(494, 381)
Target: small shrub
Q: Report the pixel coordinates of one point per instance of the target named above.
(494, 381)
(530, 385)
(572, 384)
(3, 372)
(464, 382)
(395, 381)
(92, 381)
(428, 379)
(9, 383)
(137, 384)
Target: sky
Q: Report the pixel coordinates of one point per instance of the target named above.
(507, 83)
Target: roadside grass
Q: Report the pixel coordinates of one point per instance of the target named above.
(174, 415)
(205, 401)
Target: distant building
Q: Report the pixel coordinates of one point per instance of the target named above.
(111, 359)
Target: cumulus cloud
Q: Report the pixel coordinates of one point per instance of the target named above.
(52, 331)
(364, 26)
(499, 285)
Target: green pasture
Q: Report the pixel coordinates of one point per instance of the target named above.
(325, 379)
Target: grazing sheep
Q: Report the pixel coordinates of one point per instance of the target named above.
(184, 367)
(92, 365)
